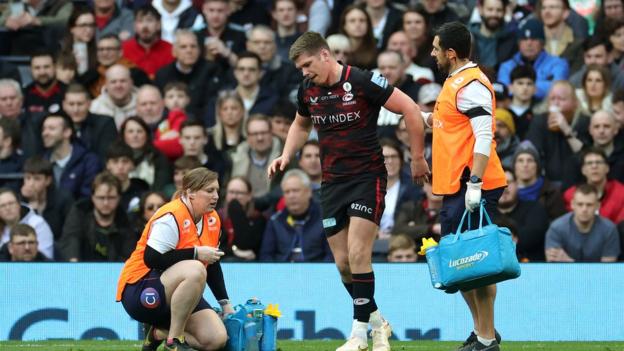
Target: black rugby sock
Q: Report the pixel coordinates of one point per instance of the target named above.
(363, 296)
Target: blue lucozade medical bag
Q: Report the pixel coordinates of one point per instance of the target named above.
(474, 258)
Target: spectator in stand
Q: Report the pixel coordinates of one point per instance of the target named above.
(284, 13)
(385, 19)
(97, 228)
(150, 202)
(532, 186)
(220, 41)
(34, 24)
(617, 102)
(202, 78)
(109, 54)
(416, 27)
(282, 116)
(66, 68)
(561, 132)
(295, 234)
(310, 163)
(356, 24)
(112, 19)
(11, 107)
(164, 125)
(560, 39)
(45, 93)
(151, 165)
(530, 219)
(522, 90)
(420, 219)
(252, 156)
(181, 167)
(402, 248)
(603, 129)
(495, 40)
(595, 92)
(195, 142)
(243, 225)
(13, 213)
(615, 34)
(609, 10)
(11, 158)
(278, 75)
(399, 189)
(119, 162)
(610, 191)
(340, 46)
(74, 166)
(147, 50)
(256, 97)
(399, 41)
(177, 96)
(22, 246)
(506, 139)
(177, 14)
(244, 14)
(40, 194)
(228, 132)
(438, 13)
(548, 69)
(80, 40)
(93, 130)
(582, 236)
(391, 65)
(596, 52)
(118, 98)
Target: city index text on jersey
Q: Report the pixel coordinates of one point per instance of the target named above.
(337, 118)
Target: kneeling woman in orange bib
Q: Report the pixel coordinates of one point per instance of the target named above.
(163, 281)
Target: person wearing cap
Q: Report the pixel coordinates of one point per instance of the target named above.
(547, 68)
(428, 95)
(495, 40)
(532, 185)
(505, 136)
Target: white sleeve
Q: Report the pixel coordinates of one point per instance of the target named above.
(475, 101)
(164, 234)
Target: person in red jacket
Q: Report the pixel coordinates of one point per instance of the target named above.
(147, 50)
(595, 168)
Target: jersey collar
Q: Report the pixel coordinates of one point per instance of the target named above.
(470, 64)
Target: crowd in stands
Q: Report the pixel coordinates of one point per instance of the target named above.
(105, 105)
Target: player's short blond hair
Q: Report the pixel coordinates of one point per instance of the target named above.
(308, 43)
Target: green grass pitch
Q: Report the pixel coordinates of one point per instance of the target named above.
(71, 345)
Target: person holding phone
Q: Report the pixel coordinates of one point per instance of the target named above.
(163, 281)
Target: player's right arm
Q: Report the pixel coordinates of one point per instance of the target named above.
(297, 136)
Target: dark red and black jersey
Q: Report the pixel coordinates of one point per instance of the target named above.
(345, 116)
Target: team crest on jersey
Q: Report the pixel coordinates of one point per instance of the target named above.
(347, 87)
(313, 100)
(347, 97)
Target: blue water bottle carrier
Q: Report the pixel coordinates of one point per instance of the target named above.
(474, 258)
(252, 327)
